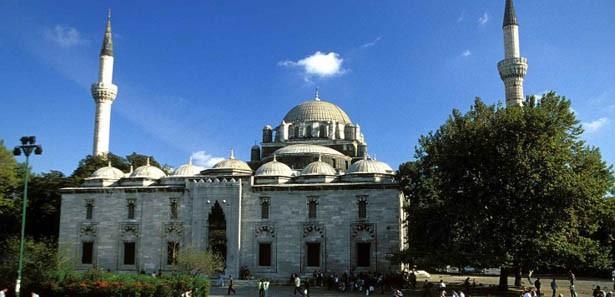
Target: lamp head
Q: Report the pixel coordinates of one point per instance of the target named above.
(38, 150)
(16, 151)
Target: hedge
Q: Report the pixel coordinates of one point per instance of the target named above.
(102, 284)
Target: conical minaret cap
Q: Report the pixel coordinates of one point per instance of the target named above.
(107, 46)
(510, 16)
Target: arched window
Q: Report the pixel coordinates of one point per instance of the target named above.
(131, 209)
(362, 207)
(323, 131)
(308, 131)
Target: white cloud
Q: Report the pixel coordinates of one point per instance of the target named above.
(483, 19)
(596, 125)
(319, 64)
(466, 53)
(461, 17)
(372, 43)
(202, 158)
(64, 36)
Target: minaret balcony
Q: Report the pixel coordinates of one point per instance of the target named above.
(104, 91)
(513, 67)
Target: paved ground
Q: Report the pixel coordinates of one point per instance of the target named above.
(584, 287)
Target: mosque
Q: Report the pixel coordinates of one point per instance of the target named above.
(310, 198)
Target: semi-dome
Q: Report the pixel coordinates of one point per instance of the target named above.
(148, 171)
(370, 166)
(188, 170)
(318, 168)
(274, 168)
(317, 111)
(300, 149)
(107, 172)
(232, 163)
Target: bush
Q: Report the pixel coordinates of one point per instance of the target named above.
(102, 284)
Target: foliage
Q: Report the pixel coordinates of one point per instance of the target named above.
(507, 186)
(96, 283)
(9, 179)
(89, 164)
(39, 261)
(196, 262)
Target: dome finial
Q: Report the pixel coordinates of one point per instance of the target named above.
(275, 158)
(131, 168)
(147, 162)
(317, 95)
(109, 163)
(232, 155)
(319, 157)
(190, 160)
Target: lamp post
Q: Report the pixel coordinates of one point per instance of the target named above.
(28, 145)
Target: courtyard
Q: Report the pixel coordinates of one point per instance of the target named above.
(584, 287)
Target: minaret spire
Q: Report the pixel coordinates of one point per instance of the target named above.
(104, 93)
(107, 46)
(514, 67)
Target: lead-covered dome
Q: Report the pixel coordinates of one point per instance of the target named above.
(370, 166)
(108, 172)
(232, 163)
(318, 168)
(188, 170)
(317, 111)
(148, 171)
(300, 149)
(274, 168)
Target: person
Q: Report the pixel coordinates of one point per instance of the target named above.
(426, 289)
(220, 282)
(527, 292)
(413, 279)
(397, 293)
(573, 291)
(571, 277)
(306, 292)
(261, 288)
(441, 285)
(187, 294)
(553, 287)
(34, 295)
(3, 292)
(461, 294)
(230, 286)
(266, 287)
(537, 285)
(297, 281)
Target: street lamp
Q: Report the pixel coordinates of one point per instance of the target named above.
(28, 145)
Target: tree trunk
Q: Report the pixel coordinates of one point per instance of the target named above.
(503, 278)
(518, 276)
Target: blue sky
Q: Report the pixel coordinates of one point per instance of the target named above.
(206, 76)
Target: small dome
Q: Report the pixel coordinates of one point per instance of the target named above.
(232, 163)
(301, 149)
(370, 166)
(317, 111)
(148, 171)
(108, 172)
(318, 168)
(274, 168)
(188, 170)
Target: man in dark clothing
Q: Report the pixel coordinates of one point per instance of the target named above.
(412, 279)
(537, 285)
(230, 286)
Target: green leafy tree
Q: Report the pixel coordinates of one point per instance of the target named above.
(195, 262)
(9, 179)
(512, 187)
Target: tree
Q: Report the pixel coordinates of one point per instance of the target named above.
(89, 164)
(195, 262)
(9, 179)
(513, 187)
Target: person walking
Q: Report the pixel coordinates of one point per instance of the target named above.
(261, 288)
(537, 285)
(553, 287)
(266, 284)
(3, 292)
(297, 285)
(230, 286)
(573, 291)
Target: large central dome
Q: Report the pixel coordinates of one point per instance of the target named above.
(317, 111)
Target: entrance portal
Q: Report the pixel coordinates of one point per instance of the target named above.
(217, 231)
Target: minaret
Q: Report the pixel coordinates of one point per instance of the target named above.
(514, 67)
(104, 92)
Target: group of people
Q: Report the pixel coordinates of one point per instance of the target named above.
(364, 282)
(4, 291)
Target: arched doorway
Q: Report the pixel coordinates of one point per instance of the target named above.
(217, 231)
